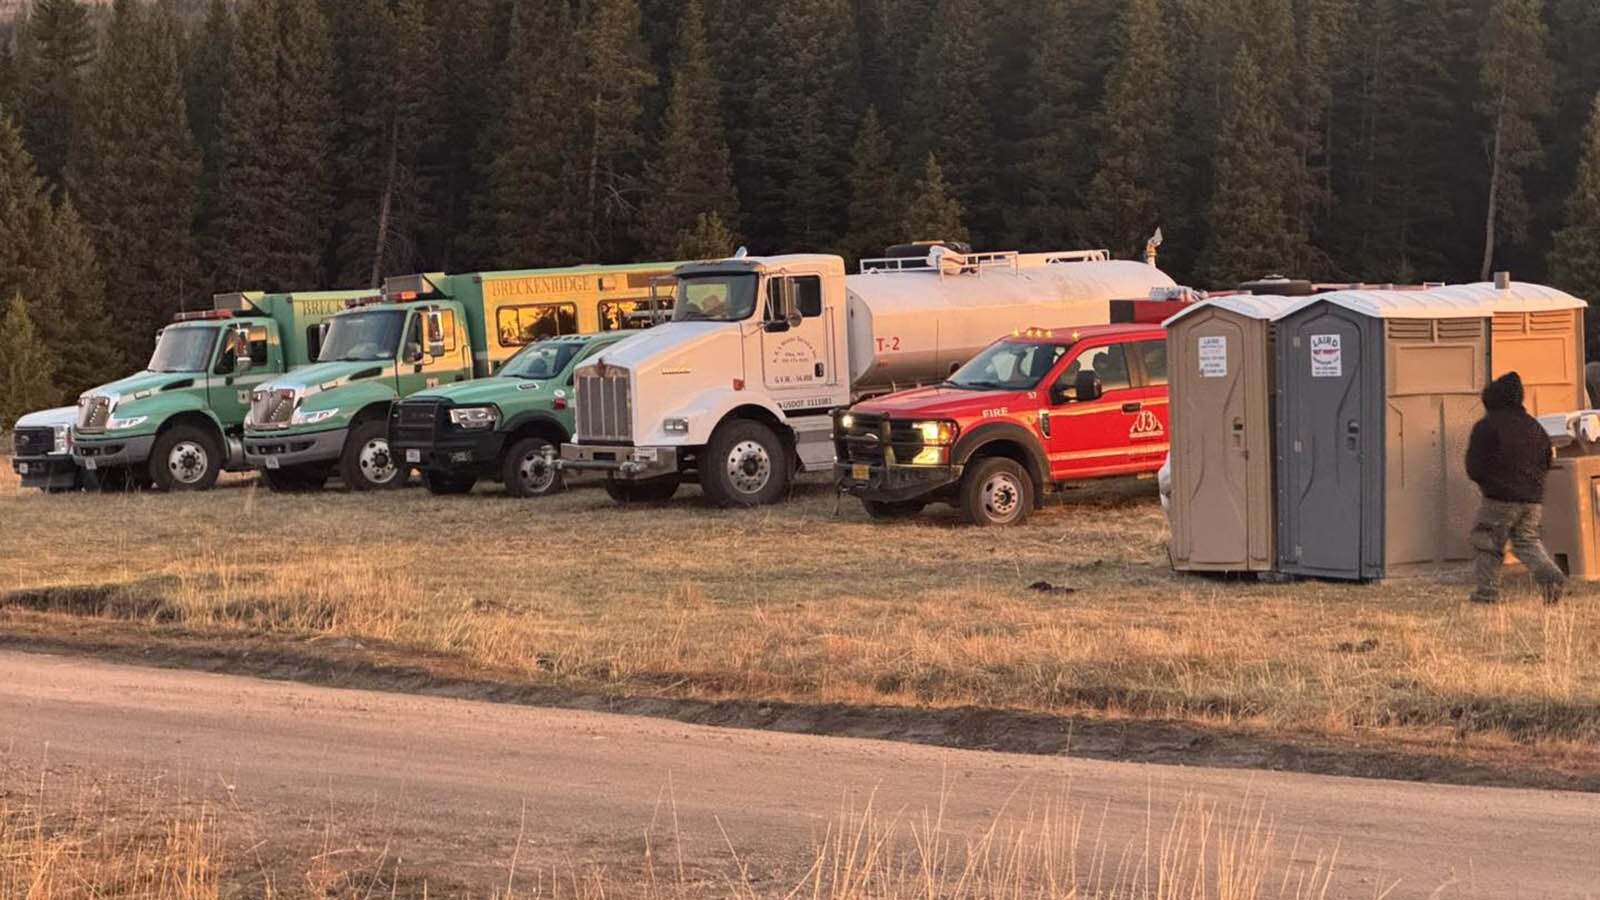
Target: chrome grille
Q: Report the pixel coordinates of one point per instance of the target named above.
(271, 408)
(605, 410)
(93, 413)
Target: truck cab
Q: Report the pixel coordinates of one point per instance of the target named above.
(505, 427)
(1032, 413)
(335, 414)
(41, 450)
(734, 390)
(179, 422)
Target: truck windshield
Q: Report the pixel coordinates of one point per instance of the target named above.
(183, 349)
(1009, 365)
(544, 359)
(363, 336)
(715, 298)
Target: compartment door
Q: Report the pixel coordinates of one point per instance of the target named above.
(1325, 444)
(1211, 466)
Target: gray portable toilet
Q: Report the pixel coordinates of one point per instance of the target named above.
(1377, 393)
(1220, 369)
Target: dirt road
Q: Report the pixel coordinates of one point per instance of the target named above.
(448, 785)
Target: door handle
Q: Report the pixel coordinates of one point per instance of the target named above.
(1132, 407)
(1352, 431)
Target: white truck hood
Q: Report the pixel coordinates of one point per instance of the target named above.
(48, 418)
(674, 348)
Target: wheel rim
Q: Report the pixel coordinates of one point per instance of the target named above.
(534, 474)
(749, 467)
(188, 462)
(1002, 496)
(376, 466)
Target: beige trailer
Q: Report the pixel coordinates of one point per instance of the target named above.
(1537, 332)
(1221, 361)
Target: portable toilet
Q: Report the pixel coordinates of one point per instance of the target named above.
(1220, 369)
(1537, 332)
(1377, 393)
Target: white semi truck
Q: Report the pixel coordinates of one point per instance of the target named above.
(736, 389)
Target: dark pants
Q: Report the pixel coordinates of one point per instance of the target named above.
(1500, 523)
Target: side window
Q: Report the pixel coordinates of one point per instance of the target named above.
(807, 295)
(412, 345)
(447, 319)
(313, 341)
(258, 345)
(1153, 355)
(616, 315)
(1110, 363)
(518, 325)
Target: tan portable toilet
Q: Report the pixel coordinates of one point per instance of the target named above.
(1220, 380)
(1377, 394)
(1572, 494)
(1537, 332)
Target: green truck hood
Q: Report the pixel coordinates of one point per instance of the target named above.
(140, 385)
(503, 392)
(326, 376)
(156, 396)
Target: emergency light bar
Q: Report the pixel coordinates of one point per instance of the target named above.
(422, 284)
(203, 315)
(368, 300)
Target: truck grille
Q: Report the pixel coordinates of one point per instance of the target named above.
(414, 422)
(33, 441)
(869, 435)
(93, 413)
(605, 410)
(271, 409)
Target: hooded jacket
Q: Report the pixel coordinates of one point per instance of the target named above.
(1508, 454)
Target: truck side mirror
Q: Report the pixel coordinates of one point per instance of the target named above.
(1087, 387)
(242, 364)
(436, 332)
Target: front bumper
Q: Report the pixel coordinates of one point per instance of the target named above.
(620, 461)
(280, 451)
(106, 452)
(47, 473)
(452, 453)
(877, 481)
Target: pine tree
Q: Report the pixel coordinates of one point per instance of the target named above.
(45, 255)
(1052, 175)
(954, 78)
(1575, 260)
(1516, 82)
(536, 186)
(1131, 190)
(459, 231)
(276, 179)
(616, 73)
(133, 173)
(693, 176)
(27, 366)
(876, 200)
(205, 62)
(932, 213)
(61, 47)
(803, 110)
(1251, 215)
(710, 238)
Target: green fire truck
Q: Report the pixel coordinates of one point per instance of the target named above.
(425, 331)
(179, 422)
(506, 428)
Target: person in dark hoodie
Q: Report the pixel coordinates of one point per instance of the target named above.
(1508, 456)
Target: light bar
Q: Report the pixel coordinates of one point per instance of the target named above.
(203, 315)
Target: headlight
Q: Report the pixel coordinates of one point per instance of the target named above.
(847, 421)
(474, 417)
(675, 426)
(63, 441)
(115, 424)
(302, 417)
(936, 433)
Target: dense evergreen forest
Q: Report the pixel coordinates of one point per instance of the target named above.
(152, 153)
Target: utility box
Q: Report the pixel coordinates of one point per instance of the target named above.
(1537, 332)
(1221, 383)
(1377, 394)
(1572, 493)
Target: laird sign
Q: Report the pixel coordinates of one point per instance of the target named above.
(507, 288)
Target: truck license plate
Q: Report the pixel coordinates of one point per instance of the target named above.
(414, 456)
(272, 462)
(91, 463)
(860, 471)
(22, 468)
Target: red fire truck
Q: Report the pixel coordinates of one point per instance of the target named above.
(1031, 413)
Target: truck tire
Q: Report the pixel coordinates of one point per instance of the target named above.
(996, 491)
(185, 458)
(888, 510)
(365, 464)
(525, 472)
(655, 490)
(441, 483)
(296, 479)
(744, 464)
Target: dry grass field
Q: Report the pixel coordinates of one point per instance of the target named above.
(812, 604)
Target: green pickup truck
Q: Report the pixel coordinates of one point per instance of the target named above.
(505, 428)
